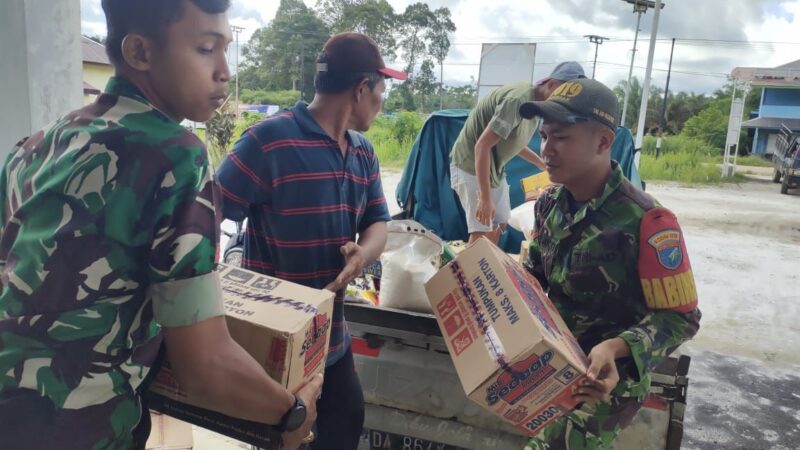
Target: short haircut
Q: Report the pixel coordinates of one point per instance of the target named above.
(338, 82)
(147, 17)
(330, 83)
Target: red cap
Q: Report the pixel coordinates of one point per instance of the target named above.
(354, 53)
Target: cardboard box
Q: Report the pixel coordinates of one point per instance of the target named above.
(168, 433)
(282, 325)
(512, 351)
(534, 185)
(449, 251)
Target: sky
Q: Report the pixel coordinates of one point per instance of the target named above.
(712, 36)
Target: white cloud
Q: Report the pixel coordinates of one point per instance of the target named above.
(559, 25)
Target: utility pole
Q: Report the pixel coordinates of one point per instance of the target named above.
(236, 30)
(633, 56)
(646, 87)
(597, 41)
(441, 85)
(639, 7)
(302, 67)
(663, 123)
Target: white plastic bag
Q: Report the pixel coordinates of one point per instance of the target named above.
(407, 263)
(522, 218)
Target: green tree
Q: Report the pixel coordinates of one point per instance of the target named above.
(424, 85)
(439, 42)
(461, 97)
(711, 124)
(375, 18)
(634, 101)
(219, 130)
(653, 117)
(415, 22)
(282, 55)
(681, 107)
(247, 120)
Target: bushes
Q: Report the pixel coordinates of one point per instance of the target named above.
(683, 166)
(682, 159)
(678, 144)
(284, 99)
(392, 136)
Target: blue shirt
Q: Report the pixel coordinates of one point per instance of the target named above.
(303, 200)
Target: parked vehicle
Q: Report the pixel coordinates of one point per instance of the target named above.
(787, 160)
(414, 399)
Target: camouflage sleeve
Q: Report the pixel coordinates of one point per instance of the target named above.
(533, 263)
(669, 292)
(4, 205)
(184, 288)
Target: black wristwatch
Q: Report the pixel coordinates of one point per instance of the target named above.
(295, 417)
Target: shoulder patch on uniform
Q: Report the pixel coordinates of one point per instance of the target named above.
(668, 247)
(664, 268)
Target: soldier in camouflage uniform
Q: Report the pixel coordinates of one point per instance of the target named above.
(108, 233)
(613, 261)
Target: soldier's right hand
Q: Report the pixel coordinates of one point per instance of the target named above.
(309, 393)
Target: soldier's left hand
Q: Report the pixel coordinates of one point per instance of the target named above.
(602, 376)
(354, 261)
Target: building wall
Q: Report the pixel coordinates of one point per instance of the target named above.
(784, 103)
(780, 103)
(40, 77)
(765, 142)
(97, 75)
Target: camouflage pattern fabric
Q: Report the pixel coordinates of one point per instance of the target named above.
(588, 428)
(601, 263)
(108, 233)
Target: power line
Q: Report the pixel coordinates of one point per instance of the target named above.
(685, 72)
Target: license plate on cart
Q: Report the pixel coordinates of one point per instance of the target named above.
(380, 440)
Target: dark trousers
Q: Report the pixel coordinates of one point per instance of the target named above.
(340, 411)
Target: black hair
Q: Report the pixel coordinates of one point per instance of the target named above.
(147, 17)
(336, 83)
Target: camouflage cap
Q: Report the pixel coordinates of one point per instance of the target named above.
(576, 101)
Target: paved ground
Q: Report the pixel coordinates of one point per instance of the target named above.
(745, 247)
(744, 242)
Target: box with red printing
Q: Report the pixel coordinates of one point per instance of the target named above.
(512, 351)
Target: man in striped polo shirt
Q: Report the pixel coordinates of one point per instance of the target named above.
(310, 188)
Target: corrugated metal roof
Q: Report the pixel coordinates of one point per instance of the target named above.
(791, 65)
(93, 52)
(785, 76)
(772, 123)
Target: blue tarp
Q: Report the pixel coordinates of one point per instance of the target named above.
(425, 185)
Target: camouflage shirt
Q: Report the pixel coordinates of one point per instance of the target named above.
(108, 232)
(617, 266)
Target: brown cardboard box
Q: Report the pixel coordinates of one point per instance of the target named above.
(284, 326)
(167, 433)
(534, 185)
(512, 351)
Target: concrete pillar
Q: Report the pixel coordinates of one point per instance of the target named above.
(41, 70)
